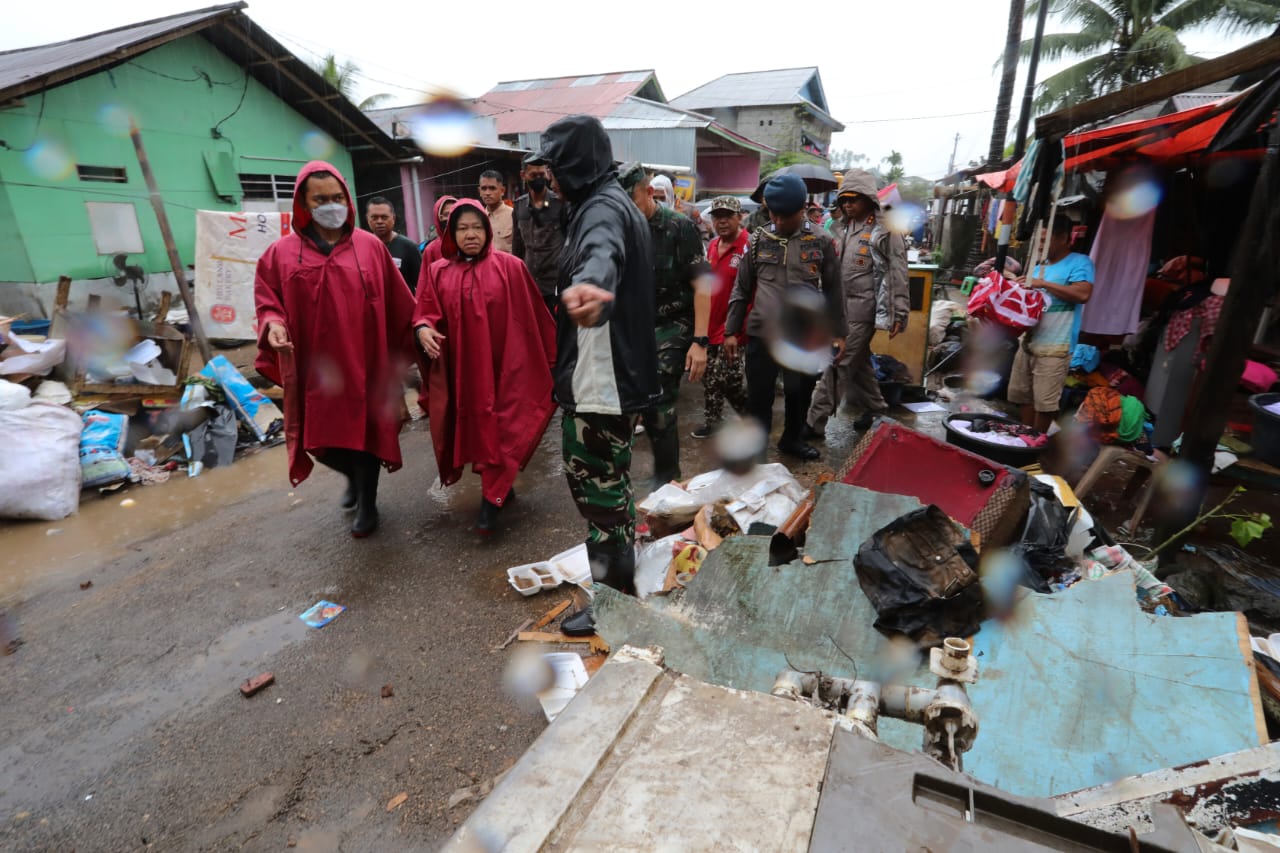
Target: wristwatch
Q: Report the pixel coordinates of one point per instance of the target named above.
(702, 341)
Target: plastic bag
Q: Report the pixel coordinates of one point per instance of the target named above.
(13, 395)
(102, 449)
(1043, 546)
(40, 464)
(1006, 303)
(921, 576)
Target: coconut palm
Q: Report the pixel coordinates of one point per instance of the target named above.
(342, 76)
(1123, 42)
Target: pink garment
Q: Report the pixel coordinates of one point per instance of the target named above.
(1121, 254)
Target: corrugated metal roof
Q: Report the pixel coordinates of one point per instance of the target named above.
(28, 64)
(750, 89)
(780, 87)
(529, 106)
(27, 71)
(641, 114)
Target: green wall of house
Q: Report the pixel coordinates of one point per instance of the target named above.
(176, 93)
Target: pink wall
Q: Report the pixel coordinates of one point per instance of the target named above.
(724, 171)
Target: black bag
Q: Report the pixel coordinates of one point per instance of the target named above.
(1044, 539)
(921, 576)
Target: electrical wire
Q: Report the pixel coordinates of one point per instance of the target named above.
(202, 76)
(35, 134)
(216, 132)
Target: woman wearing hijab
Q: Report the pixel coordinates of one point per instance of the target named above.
(482, 322)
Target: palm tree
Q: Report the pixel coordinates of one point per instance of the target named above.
(342, 76)
(1123, 42)
(896, 171)
(1008, 77)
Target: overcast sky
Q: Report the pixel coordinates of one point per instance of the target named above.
(906, 75)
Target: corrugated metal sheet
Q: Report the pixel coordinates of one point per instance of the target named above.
(32, 63)
(673, 145)
(749, 89)
(638, 114)
(523, 106)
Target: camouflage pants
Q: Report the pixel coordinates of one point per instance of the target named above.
(660, 425)
(597, 464)
(723, 380)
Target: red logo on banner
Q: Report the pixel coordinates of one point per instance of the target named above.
(222, 314)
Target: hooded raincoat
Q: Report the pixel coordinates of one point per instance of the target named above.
(348, 313)
(611, 368)
(490, 389)
(435, 249)
(873, 263)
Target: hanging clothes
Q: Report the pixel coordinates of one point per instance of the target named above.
(1121, 254)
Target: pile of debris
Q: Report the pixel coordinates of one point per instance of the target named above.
(852, 598)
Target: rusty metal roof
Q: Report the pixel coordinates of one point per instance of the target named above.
(35, 68)
(529, 106)
(28, 71)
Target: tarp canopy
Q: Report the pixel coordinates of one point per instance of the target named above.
(1170, 140)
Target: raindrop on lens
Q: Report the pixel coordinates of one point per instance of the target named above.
(444, 127)
(903, 218)
(804, 344)
(739, 444)
(316, 145)
(50, 160)
(1001, 571)
(1135, 201)
(114, 119)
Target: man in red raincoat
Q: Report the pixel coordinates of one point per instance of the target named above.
(491, 340)
(334, 329)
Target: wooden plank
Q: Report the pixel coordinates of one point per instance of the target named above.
(548, 637)
(1260, 54)
(912, 346)
(1081, 688)
(1255, 689)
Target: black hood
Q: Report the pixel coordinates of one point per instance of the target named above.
(580, 155)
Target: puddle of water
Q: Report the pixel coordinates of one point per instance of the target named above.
(99, 531)
(46, 766)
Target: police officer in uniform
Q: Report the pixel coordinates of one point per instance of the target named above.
(787, 259)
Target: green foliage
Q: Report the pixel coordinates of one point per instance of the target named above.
(1122, 42)
(896, 172)
(342, 76)
(786, 158)
(1246, 528)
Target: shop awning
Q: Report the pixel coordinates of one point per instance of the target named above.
(1168, 140)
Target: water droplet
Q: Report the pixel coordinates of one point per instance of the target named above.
(317, 145)
(50, 160)
(443, 126)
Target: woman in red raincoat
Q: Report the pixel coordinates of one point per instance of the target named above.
(335, 331)
(482, 322)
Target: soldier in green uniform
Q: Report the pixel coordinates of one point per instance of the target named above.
(683, 309)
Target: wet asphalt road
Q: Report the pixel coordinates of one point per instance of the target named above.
(122, 727)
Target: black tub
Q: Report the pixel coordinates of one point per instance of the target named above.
(1005, 454)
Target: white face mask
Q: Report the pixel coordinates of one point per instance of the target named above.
(332, 216)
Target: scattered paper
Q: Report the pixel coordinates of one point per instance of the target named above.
(321, 613)
(921, 408)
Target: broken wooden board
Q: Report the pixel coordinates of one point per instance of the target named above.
(740, 621)
(1082, 687)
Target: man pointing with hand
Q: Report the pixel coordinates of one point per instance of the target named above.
(606, 370)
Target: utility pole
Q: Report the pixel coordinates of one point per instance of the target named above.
(179, 272)
(951, 165)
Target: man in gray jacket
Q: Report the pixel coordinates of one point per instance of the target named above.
(873, 274)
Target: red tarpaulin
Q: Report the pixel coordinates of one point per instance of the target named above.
(1167, 140)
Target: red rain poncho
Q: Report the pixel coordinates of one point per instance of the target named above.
(348, 315)
(435, 249)
(490, 389)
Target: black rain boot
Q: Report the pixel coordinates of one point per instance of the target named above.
(342, 461)
(666, 454)
(366, 480)
(612, 566)
(487, 523)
